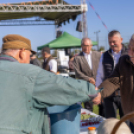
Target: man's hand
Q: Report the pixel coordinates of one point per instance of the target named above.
(97, 100)
(96, 88)
(91, 80)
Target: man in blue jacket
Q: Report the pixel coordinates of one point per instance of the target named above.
(26, 90)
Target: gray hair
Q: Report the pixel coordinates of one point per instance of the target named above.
(82, 41)
(114, 32)
(6, 51)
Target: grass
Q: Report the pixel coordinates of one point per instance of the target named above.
(96, 110)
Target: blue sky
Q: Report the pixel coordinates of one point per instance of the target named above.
(116, 14)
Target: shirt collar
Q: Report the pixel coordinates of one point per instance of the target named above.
(115, 53)
(87, 54)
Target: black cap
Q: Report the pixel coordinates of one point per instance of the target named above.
(46, 49)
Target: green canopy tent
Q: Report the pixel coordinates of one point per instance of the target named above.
(65, 41)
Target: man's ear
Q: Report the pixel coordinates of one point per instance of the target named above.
(21, 53)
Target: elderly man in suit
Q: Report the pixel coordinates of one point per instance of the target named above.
(86, 65)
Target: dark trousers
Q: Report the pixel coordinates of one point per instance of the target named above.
(130, 125)
(101, 109)
(111, 105)
(88, 105)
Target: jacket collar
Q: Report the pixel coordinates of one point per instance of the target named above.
(123, 50)
(81, 54)
(85, 61)
(87, 54)
(7, 58)
(128, 60)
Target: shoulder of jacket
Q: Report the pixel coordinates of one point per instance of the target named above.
(97, 53)
(124, 57)
(78, 56)
(25, 69)
(106, 52)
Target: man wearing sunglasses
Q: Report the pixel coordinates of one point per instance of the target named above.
(35, 61)
(26, 90)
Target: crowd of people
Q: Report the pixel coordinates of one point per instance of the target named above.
(27, 90)
(111, 72)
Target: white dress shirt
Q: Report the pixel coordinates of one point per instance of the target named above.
(100, 71)
(53, 65)
(88, 58)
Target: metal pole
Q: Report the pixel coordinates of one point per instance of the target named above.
(84, 21)
(62, 2)
(97, 37)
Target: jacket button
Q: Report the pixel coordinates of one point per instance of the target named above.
(29, 101)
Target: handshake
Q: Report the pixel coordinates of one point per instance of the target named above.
(97, 99)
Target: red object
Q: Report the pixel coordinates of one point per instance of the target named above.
(83, 113)
(90, 123)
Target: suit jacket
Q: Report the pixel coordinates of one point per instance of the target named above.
(82, 69)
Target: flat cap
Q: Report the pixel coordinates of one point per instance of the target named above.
(15, 41)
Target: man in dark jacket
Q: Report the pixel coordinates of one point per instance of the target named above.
(106, 66)
(86, 65)
(35, 61)
(123, 78)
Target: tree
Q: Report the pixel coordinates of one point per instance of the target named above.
(76, 51)
(101, 48)
(126, 44)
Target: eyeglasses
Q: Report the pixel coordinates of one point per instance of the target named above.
(86, 45)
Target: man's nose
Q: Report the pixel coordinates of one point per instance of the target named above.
(112, 44)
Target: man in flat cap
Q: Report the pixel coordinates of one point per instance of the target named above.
(123, 78)
(26, 90)
(50, 64)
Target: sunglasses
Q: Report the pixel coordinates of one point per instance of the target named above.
(31, 55)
